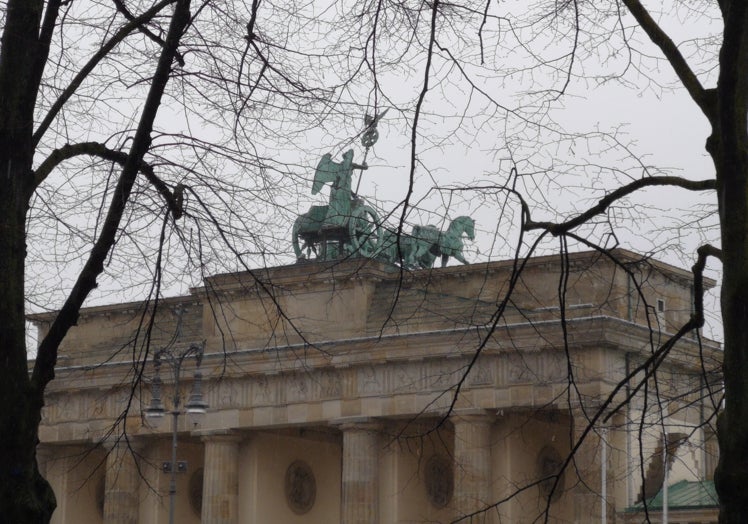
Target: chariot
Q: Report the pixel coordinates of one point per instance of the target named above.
(347, 226)
(317, 232)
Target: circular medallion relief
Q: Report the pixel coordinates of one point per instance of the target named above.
(301, 487)
(195, 490)
(439, 480)
(549, 464)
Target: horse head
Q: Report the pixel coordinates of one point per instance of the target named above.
(464, 224)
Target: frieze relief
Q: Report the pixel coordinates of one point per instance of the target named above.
(521, 369)
(81, 406)
(319, 384)
(227, 393)
(47, 414)
(390, 378)
(538, 368)
(120, 399)
(297, 386)
(52, 409)
(98, 403)
(330, 384)
(263, 391)
(405, 377)
(64, 407)
(553, 366)
(481, 373)
(86, 406)
(443, 374)
(370, 380)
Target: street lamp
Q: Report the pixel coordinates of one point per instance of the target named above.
(195, 406)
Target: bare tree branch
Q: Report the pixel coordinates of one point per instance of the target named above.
(97, 149)
(43, 371)
(564, 227)
(122, 8)
(703, 252)
(102, 52)
(704, 98)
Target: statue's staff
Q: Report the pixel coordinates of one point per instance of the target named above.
(369, 137)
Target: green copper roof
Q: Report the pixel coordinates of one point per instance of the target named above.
(683, 495)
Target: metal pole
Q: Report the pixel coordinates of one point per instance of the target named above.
(173, 465)
(665, 460)
(195, 404)
(604, 475)
(369, 138)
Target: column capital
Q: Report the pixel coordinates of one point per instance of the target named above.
(473, 416)
(111, 442)
(218, 435)
(369, 424)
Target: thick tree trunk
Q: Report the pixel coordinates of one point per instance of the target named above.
(728, 146)
(25, 497)
(732, 430)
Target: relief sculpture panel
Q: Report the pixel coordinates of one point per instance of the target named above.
(404, 377)
(330, 384)
(521, 369)
(370, 380)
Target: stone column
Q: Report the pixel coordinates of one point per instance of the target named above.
(57, 471)
(586, 476)
(360, 490)
(472, 465)
(121, 500)
(221, 478)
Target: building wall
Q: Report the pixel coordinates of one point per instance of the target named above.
(264, 460)
(154, 486)
(76, 474)
(341, 347)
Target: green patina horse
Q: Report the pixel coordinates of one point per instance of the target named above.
(424, 244)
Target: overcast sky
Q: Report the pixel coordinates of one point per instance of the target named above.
(466, 140)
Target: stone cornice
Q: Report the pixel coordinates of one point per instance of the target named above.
(590, 332)
(116, 309)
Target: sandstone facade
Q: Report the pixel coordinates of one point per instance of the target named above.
(353, 392)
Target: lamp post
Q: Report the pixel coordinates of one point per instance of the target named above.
(195, 406)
